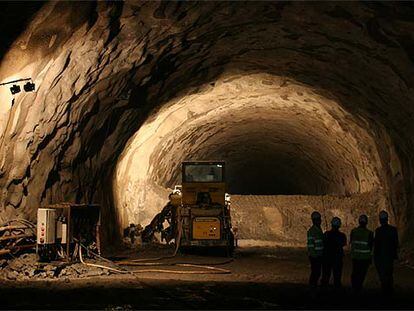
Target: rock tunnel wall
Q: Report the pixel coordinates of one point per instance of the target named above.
(104, 69)
(285, 219)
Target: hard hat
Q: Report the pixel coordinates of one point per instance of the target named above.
(363, 219)
(336, 222)
(383, 215)
(315, 215)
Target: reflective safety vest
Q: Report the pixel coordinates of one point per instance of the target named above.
(315, 241)
(360, 248)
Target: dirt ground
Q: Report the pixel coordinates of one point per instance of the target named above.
(260, 278)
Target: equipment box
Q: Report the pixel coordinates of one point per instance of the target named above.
(62, 226)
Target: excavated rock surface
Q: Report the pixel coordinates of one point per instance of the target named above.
(285, 219)
(103, 69)
(26, 267)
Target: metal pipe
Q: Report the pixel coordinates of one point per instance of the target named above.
(15, 81)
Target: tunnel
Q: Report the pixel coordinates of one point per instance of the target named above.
(309, 105)
(296, 106)
(277, 137)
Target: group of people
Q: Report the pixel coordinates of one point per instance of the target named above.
(326, 252)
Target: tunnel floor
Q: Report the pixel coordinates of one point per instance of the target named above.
(261, 278)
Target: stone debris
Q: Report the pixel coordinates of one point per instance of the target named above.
(26, 267)
(119, 308)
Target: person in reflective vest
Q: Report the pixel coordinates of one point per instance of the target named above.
(361, 252)
(315, 249)
(385, 252)
(334, 241)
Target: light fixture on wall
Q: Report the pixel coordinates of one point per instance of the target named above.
(15, 88)
(29, 87)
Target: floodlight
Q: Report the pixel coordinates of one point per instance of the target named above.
(29, 87)
(15, 89)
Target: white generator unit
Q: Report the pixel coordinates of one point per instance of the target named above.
(60, 227)
(46, 234)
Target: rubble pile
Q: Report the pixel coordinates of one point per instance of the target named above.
(26, 267)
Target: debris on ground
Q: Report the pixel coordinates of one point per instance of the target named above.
(119, 308)
(26, 267)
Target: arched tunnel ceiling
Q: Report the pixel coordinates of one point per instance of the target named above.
(62, 142)
(277, 137)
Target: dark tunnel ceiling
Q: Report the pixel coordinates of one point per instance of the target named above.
(64, 141)
(260, 145)
(14, 17)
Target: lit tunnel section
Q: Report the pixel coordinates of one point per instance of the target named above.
(278, 137)
(307, 101)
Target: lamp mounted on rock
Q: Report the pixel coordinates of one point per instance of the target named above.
(15, 89)
(29, 87)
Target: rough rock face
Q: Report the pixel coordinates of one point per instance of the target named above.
(102, 70)
(285, 219)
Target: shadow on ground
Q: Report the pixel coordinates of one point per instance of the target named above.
(261, 278)
(170, 294)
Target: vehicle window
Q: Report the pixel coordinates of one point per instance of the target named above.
(203, 173)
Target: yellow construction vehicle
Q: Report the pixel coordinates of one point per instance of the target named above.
(198, 211)
(203, 212)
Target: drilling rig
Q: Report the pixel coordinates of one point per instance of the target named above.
(198, 211)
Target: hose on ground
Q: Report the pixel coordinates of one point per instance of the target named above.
(180, 271)
(96, 265)
(208, 269)
(139, 264)
(177, 245)
(144, 261)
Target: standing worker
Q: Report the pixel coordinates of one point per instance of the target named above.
(315, 249)
(385, 252)
(361, 252)
(334, 241)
